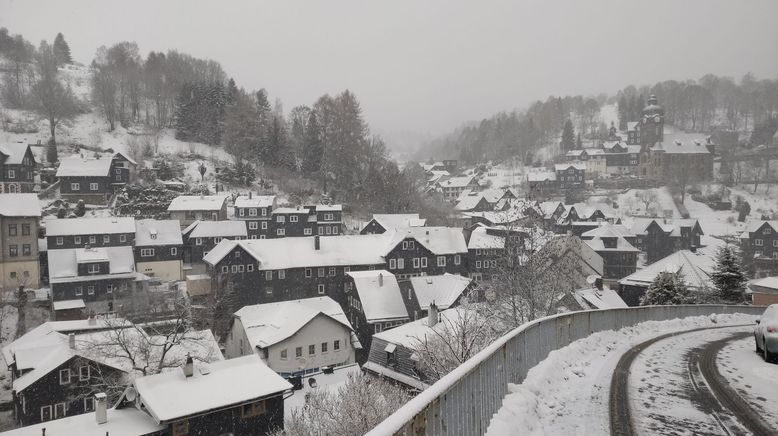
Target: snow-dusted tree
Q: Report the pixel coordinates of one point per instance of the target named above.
(568, 136)
(649, 199)
(51, 153)
(360, 404)
(51, 99)
(459, 335)
(62, 50)
(80, 208)
(729, 279)
(202, 169)
(667, 288)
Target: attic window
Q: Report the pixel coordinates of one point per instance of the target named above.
(153, 234)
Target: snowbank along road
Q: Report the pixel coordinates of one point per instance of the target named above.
(693, 382)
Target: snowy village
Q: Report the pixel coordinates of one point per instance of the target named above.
(197, 241)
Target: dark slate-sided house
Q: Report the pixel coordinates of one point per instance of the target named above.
(98, 276)
(90, 232)
(759, 242)
(292, 222)
(329, 218)
(17, 168)
(190, 208)
(201, 236)
(256, 210)
(382, 223)
(159, 249)
(570, 175)
(427, 251)
(619, 257)
(659, 238)
(93, 179)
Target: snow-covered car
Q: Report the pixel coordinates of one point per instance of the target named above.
(766, 333)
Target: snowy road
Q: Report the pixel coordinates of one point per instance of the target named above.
(694, 383)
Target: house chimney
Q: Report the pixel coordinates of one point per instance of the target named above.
(380, 279)
(188, 366)
(250, 195)
(432, 315)
(101, 404)
(72, 341)
(316, 242)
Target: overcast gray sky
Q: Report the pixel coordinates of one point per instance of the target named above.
(422, 65)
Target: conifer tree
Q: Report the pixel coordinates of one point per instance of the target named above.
(62, 50)
(568, 136)
(667, 288)
(312, 151)
(623, 113)
(728, 277)
(578, 142)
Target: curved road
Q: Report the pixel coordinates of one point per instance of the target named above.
(704, 387)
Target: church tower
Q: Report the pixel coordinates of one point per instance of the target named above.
(652, 125)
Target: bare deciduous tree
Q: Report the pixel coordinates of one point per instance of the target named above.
(51, 99)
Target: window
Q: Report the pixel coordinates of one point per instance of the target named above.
(264, 225)
(234, 268)
(107, 238)
(457, 259)
(79, 291)
(758, 242)
(146, 252)
(26, 249)
(93, 186)
(60, 240)
(334, 230)
(775, 243)
(281, 274)
(46, 413)
(283, 354)
(93, 268)
(89, 404)
(494, 263)
(346, 269)
(253, 225)
(400, 263)
(321, 272)
(225, 269)
(320, 289)
(332, 271)
(377, 328)
(311, 350)
(268, 275)
(392, 263)
(250, 267)
(294, 219)
(13, 250)
(327, 217)
(280, 232)
(11, 229)
(767, 230)
(308, 273)
(180, 428)
(75, 187)
(758, 253)
(253, 409)
(64, 376)
(83, 373)
(411, 245)
(269, 291)
(405, 245)
(241, 212)
(93, 239)
(198, 241)
(308, 232)
(11, 174)
(280, 219)
(441, 260)
(336, 345)
(90, 290)
(323, 347)
(173, 251)
(77, 240)
(423, 262)
(416, 262)
(109, 288)
(478, 264)
(298, 352)
(240, 268)
(264, 211)
(122, 238)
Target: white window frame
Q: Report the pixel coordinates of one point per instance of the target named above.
(11, 174)
(441, 261)
(401, 263)
(81, 372)
(93, 268)
(264, 225)
(416, 262)
(280, 232)
(478, 264)
(174, 251)
(77, 240)
(281, 274)
(280, 219)
(423, 262)
(89, 404)
(250, 267)
(294, 219)
(457, 260)
(392, 263)
(758, 242)
(308, 231)
(79, 291)
(106, 239)
(60, 240)
(252, 211)
(90, 290)
(320, 288)
(225, 268)
(269, 275)
(93, 239)
(198, 241)
(146, 252)
(122, 238)
(51, 414)
(64, 376)
(94, 186)
(75, 186)
(253, 225)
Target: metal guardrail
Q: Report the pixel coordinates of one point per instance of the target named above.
(464, 401)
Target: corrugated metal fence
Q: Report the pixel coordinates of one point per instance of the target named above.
(464, 401)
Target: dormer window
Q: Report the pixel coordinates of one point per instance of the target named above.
(93, 268)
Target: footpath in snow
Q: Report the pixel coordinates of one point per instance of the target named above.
(568, 392)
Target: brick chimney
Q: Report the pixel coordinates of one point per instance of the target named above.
(72, 341)
(432, 315)
(101, 405)
(250, 195)
(188, 366)
(316, 242)
(380, 279)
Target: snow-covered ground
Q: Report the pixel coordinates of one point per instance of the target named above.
(567, 393)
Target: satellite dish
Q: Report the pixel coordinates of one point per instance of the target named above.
(131, 394)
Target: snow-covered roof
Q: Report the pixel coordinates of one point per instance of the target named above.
(63, 264)
(682, 147)
(599, 298)
(541, 176)
(438, 240)
(76, 166)
(443, 290)
(457, 182)
(214, 229)
(766, 282)
(20, 205)
(379, 294)
(15, 152)
(197, 202)
(480, 239)
(69, 304)
(754, 225)
(285, 253)
(469, 201)
(549, 207)
(632, 125)
(171, 395)
(329, 207)
(397, 221)
(157, 232)
(324, 382)
(128, 421)
(410, 334)
(271, 323)
(89, 226)
(622, 245)
(565, 166)
(255, 201)
(290, 210)
(694, 267)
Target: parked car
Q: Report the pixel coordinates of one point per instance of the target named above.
(766, 333)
